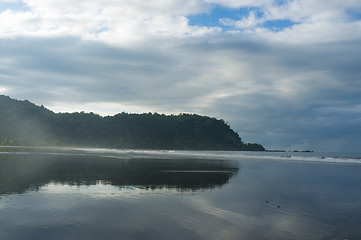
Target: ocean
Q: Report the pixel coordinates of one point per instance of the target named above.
(80, 193)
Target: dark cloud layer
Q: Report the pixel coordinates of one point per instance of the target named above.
(281, 95)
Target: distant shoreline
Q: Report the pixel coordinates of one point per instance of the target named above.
(109, 148)
(303, 151)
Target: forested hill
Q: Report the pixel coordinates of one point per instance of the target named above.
(24, 123)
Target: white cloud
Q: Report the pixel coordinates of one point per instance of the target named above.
(9, 1)
(108, 20)
(250, 21)
(3, 90)
(121, 22)
(239, 4)
(267, 84)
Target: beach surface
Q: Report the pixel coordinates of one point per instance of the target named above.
(68, 193)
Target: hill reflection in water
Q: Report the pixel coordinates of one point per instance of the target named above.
(28, 171)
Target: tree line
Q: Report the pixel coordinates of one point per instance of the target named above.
(24, 123)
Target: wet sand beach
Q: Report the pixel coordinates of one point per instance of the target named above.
(105, 194)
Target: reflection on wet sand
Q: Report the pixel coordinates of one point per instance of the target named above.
(23, 172)
(117, 194)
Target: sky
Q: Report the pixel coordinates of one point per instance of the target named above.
(285, 74)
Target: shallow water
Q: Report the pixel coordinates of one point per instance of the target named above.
(125, 194)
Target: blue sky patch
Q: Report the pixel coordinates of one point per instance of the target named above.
(278, 25)
(102, 29)
(281, 2)
(354, 14)
(212, 19)
(14, 6)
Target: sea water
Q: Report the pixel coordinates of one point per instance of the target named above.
(78, 193)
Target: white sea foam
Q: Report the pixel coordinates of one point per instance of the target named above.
(336, 158)
(340, 158)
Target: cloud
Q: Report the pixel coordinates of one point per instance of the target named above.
(250, 21)
(106, 20)
(125, 22)
(289, 86)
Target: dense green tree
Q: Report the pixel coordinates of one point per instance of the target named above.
(24, 123)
